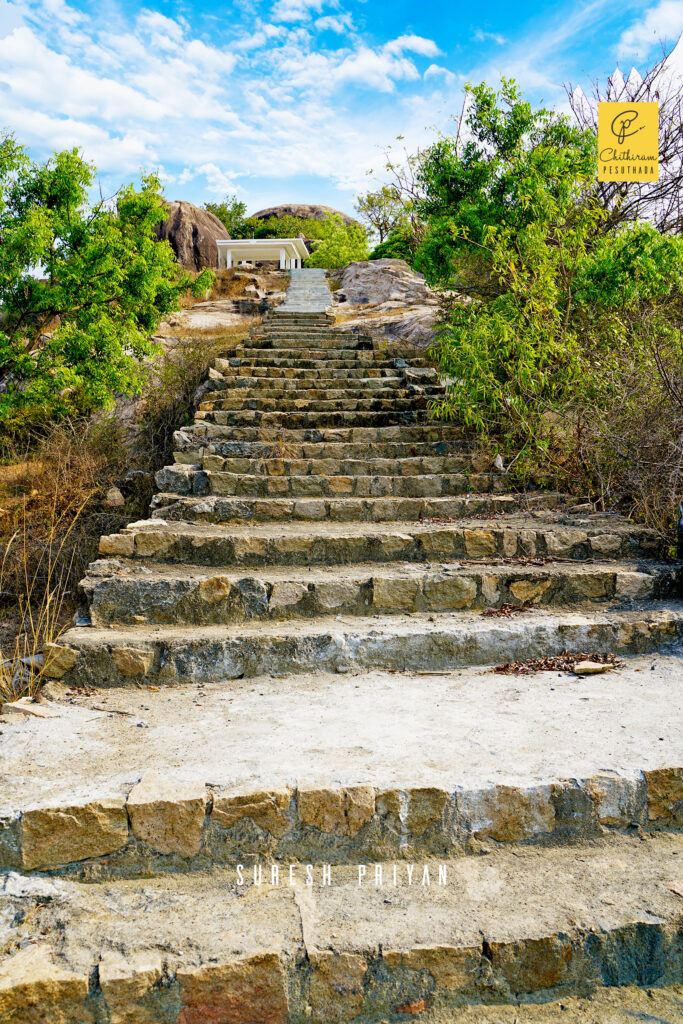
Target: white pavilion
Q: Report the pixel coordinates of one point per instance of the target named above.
(290, 252)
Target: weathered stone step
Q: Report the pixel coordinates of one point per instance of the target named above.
(296, 340)
(313, 357)
(342, 466)
(312, 418)
(622, 1005)
(314, 361)
(212, 509)
(417, 642)
(518, 536)
(337, 387)
(181, 479)
(215, 946)
(276, 375)
(128, 593)
(262, 403)
(255, 456)
(302, 771)
(427, 432)
(339, 391)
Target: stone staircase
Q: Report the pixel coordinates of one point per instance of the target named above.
(325, 577)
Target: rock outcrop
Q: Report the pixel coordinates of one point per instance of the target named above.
(193, 233)
(388, 299)
(308, 211)
(375, 282)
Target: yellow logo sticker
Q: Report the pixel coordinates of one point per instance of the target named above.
(628, 141)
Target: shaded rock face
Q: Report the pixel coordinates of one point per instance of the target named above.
(193, 233)
(372, 282)
(402, 305)
(308, 211)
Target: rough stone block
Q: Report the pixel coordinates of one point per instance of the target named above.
(562, 540)
(529, 591)
(442, 591)
(480, 543)
(131, 661)
(665, 794)
(394, 593)
(151, 542)
(286, 596)
(506, 813)
(268, 810)
(58, 660)
(340, 811)
(52, 837)
(413, 810)
(122, 544)
(633, 586)
(214, 590)
(240, 992)
(36, 990)
(128, 986)
(336, 987)
(167, 815)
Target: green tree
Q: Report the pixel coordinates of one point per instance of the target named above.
(231, 211)
(82, 287)
(341, 244)
(384, 210)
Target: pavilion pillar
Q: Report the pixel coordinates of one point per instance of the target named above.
(283, 259)
(228, 259)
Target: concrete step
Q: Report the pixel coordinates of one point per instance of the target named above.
(311, 418)
(186, 480)
(527, 532)
(301, 772)
(129, 593)
(212, 509)
(215, 946)
(414, 642)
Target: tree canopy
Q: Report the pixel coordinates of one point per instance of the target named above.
(83, 286)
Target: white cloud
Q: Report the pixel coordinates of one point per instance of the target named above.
(485, 37)
(413, 44)
(339, 23)
(297, 10)
(436, 71)
(663, 22)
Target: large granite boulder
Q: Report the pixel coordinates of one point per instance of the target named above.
(193, 233)
(307, 211)
(374, 282)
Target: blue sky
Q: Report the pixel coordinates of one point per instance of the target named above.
(288, 100)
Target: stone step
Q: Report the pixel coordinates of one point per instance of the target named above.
(128, 593)
(527, 532)
(337, 359)
(427, 432)
(302, 772)
(246, 391)
(338, 387)
(255, 456)
(217, 947)
(234, 375)
(311, 418)
(179, 479)
(341, 466)
(416, 642)
(276, 403)
(212, 509)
